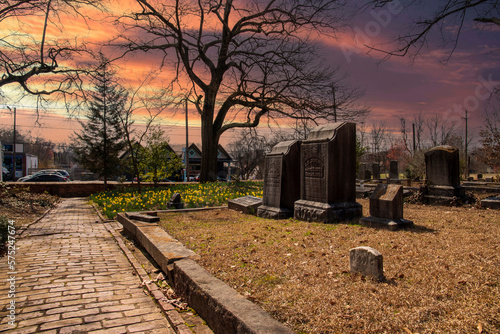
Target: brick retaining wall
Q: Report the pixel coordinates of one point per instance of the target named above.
(74, 188)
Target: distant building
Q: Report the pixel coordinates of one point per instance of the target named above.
(24, 161)
(194, 155)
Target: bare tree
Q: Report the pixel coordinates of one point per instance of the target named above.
(490, 138)
(29, 56)
(440, 131)
(150, 104)
(378, 137)
(245, 61)
(452, 13)
(418, 123)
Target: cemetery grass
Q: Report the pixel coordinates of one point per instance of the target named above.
(442, 276)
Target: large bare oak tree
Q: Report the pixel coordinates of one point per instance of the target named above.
(243, 62)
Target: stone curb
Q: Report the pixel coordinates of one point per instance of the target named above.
(168, 310)
(224, 310)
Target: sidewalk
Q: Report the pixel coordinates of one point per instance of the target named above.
(72, 277)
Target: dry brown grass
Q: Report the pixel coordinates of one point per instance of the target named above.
(442, 276)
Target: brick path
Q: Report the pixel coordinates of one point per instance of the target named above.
(72, 277)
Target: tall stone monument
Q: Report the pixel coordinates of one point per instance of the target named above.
(328, 175)
(442, 169)
(393, 170)
(376, 171)
(281, 181)
(362, 171)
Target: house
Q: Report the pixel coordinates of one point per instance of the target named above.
(194, 155)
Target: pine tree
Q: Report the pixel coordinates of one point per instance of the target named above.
(98, 144)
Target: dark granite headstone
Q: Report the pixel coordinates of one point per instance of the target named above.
(393, 170)
(479, 176)
(175, 202)
(362, 171)
(245, 204)
(376, 171)
(368, 175)
(442, 167)
(386, 208)
(328, 175)
(281, 181)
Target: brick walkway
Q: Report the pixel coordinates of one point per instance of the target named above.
(72, 277)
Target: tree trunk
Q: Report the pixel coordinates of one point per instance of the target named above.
(210, 142)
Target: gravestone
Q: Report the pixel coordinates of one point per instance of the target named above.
(367, 261)
(386, 208)
(175, 202)
(328, 175)
(479, 176)
(368, 175)
(376, 171)
(245, 204)
(362, 171)
(442, 167)
(281, 181)
(393, 170)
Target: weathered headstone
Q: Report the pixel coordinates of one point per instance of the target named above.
(362, 171)
(367, 261)
(479, 176)
(393, 170)
(175, 202)
(376, 171)
(328, 175)
(245, 204)
(281, 181)
(488, 179)
(386, 208)
(442, 167)
(368, 175)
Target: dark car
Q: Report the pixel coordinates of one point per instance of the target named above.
(46, 178)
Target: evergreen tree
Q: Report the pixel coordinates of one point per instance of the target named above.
(98, 144)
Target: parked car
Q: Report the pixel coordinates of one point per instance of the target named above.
(44, 177)
(61, 172)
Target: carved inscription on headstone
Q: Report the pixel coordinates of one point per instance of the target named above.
(272, 181)
(314, 157)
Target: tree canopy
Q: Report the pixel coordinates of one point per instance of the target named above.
(244, 62)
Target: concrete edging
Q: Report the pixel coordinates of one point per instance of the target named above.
(224, 309)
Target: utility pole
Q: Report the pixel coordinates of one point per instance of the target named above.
(414, 145)
(14, 146)
(187, 143)
(466, 145)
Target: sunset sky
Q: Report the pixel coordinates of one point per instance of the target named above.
(396, 87)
